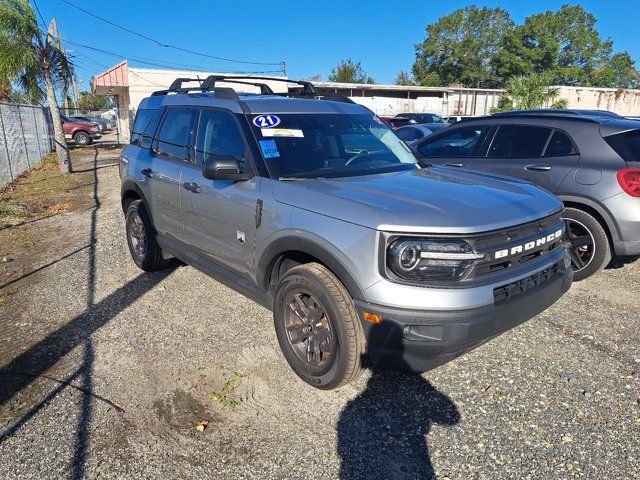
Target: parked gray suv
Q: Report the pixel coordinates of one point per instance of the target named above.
(590, 159)
(312, 207)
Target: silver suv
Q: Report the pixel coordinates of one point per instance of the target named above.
(312, 207)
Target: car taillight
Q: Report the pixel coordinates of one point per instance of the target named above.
(629, 180)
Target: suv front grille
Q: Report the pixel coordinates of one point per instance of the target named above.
(514, 289)
(509, 239)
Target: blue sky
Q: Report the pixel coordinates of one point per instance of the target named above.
(311, 37)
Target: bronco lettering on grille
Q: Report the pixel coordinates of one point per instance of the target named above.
(507, 252)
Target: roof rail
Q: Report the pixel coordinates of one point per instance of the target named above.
(211, 80)
(307, 87)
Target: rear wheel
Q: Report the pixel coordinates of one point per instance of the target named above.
(587, 243)
(318, 327)
(141, 238)
(82, 138)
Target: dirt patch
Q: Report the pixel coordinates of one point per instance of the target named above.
(183, 412)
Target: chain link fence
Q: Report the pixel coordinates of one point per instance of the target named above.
(26, 136)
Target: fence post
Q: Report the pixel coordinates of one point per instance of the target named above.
(35, 126)
(6, 147)
(24, 139)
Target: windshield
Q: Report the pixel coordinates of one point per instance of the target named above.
(329, 145)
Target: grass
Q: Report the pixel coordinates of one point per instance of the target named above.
(225, 395)
(44, 191)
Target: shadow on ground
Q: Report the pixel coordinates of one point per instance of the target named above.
(33, 364)
(383, 432)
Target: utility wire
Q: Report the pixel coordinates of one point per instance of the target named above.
(152, 62)
(44, 24)
(162, 44)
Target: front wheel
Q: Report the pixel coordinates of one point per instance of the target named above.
(587, 243)
(82, 138)
(318, 328)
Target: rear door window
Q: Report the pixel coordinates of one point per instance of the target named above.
(175, 133)
(560, 145)
(461, 142)
(626, 144)
(519, 141)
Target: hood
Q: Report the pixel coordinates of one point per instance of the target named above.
(434, 200)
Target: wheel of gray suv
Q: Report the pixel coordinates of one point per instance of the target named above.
(587, 243)
(141, 239)
(82, 138)
(318, 327)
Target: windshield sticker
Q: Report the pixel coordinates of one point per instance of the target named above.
(266, 121)
(282, 132)
(269, 148)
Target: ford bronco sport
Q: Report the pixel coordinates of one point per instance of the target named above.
(309, 205)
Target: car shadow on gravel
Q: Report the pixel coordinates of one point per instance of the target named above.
(382, 433)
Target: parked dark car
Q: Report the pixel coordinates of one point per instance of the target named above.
(422, 117)
(591, 162)
(411, 134)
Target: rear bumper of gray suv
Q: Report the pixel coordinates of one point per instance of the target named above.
(420, 340)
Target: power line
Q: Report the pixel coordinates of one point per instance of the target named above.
(44, 24)
(162, 44)
(152, 62)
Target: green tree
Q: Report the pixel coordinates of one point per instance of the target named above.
(618, 72)
(35, 59)
(529, 91)
(565, 43)
(91, 101)
(459, 48)
(348, 71)
(404, 78)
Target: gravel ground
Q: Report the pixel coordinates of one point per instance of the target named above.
(106, 371)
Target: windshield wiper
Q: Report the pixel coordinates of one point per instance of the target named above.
(295, 179)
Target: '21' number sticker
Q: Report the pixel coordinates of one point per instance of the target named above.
(266, 121)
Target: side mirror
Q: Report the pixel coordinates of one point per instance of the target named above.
(223, 168)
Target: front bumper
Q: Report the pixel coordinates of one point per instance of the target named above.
(419, 340)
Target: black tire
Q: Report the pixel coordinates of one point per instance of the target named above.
(346, 360)
(82, 138)
(586, 260)
(146, 252)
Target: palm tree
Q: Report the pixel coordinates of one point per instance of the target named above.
(32, 59)
(529, 91)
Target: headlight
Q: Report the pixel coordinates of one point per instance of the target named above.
(422, 260)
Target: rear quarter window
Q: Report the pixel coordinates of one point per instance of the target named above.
(143, 116)
(626, 144)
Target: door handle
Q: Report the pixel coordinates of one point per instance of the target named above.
(538, 168)
(147, 172)
(192, 187)
(459, 165)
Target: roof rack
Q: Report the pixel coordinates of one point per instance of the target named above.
(209, 85)
(307, 87)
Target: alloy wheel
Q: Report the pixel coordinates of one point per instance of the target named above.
(308, 329)
(580, 244)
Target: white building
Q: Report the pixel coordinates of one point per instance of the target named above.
(130, 85)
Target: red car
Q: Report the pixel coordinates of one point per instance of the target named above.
(83, 133)
(395, 123)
